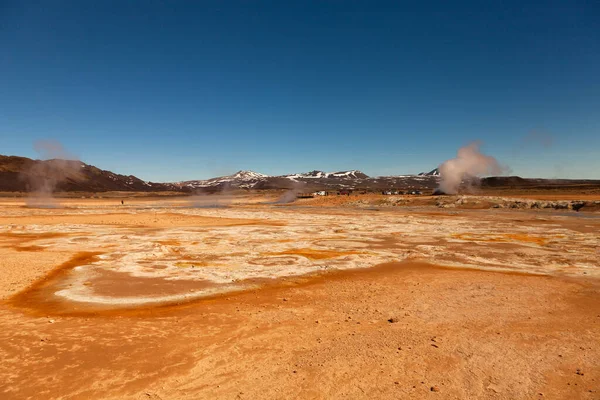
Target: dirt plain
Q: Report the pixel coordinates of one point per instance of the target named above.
(339, 297)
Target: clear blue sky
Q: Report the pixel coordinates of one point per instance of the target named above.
(186, 90)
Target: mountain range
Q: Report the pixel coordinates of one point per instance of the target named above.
(21, 174)
(316, 179)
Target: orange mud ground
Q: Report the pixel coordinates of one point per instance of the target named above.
(405, 329)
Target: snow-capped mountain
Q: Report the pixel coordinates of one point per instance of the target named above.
(241, 179)
(353, 174)
(251, 179)
(352, 179)
(434, 172)
(247, 175)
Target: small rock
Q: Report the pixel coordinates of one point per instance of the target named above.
(578, 372)
(393, 320)
(494, 388)
(51, 321)
(435, 389)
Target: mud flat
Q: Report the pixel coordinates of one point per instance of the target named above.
(160, 299)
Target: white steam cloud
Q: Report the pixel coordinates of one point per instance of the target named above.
(469, 163)
(44, 177)
(290, 195)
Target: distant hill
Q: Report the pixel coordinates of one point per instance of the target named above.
(537, 183)
(21, 174)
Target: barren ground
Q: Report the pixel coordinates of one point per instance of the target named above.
(169, 298)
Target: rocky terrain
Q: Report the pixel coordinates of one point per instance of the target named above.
(521, 204)
(472, 202)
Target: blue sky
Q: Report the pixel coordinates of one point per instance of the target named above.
(187, 90)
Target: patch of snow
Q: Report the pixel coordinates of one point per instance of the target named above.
(247, 175)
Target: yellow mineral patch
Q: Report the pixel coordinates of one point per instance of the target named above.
(29, 248)
(315, 254)
(502, 237)
(191, 264)
(169, 242)
(324, 238)
(28, 237)
(522, 237)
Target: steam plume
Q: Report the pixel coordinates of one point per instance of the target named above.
(289, 196)
(222, 198)
(44, 177)
(469, 162)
